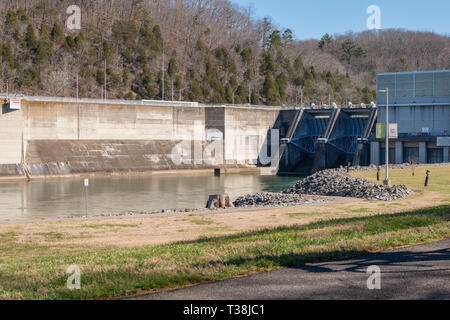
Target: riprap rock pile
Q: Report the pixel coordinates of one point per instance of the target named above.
(268, 199)
(335, 183)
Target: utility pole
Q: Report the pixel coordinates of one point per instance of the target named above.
(105, 82)
(249, 95)
(386, 181)
(172, 89)
(77, 86)
(163, 72)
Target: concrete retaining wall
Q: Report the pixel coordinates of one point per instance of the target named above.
(67, 136)
(11, 127)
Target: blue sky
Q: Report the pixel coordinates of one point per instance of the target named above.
(313, 18)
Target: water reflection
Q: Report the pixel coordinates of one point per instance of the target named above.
(65, 198)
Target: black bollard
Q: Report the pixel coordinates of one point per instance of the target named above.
(378, 174)
(427, 179)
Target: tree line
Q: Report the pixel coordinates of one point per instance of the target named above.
(211, 51)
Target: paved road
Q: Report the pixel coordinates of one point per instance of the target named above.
(420, 272)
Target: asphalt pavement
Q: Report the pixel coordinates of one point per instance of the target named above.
(419, 272)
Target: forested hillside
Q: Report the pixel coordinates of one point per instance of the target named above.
(211, 51)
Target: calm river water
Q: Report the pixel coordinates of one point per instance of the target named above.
(115, 195)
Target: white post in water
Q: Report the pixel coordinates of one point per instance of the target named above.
(86, 185)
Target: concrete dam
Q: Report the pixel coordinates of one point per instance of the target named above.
(60, 136)
(44, 136)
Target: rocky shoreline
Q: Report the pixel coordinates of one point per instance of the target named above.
(320, 187)
(327, 183)
(275, 200)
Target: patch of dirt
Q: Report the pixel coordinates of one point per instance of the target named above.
(153, 230)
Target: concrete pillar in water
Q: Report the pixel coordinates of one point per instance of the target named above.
(446, 154)
(375, 153)
(423, 152)
(399, 152)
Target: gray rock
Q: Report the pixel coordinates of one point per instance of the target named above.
(268, 199)
(336, 183)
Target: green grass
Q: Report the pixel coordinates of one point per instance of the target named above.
(439, 178)
(202, 222)
(30, 272)
(303, 214)
(50, 236)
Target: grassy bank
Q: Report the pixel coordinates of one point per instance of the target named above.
(37, 270)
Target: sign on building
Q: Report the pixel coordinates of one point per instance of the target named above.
(393, 131)
(14, 104)
(381, 131)
(443, 141)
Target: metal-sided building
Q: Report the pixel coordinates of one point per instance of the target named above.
(419, 102)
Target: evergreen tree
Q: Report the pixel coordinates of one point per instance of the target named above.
(142, 57)
(158, 39)
(282, 84)
(125, 76)
(12, 24)
(147, 87)
(287, 36)
(326, 39)
(233, 82)
(79, 39)
(268, 65)
(147, 37)
(271, 91)
(172, 68)
(57, 34)
(298, 65)
(241, 96)
(405, 63)
(247, 56)
(196, 93)
(255, 99)
(106, 52)
(69, 43)
(334, 87)
(44, 38)
(30, 38)
(127, 56)
(100, 77)
(367, 95)
(275, 40)
(7, 53)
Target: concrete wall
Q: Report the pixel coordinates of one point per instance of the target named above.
(246, 132)
(71, 136)
(95, 121)
(11, 126)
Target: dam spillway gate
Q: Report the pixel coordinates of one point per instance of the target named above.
(316, 139)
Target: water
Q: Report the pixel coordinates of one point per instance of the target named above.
(22, 200)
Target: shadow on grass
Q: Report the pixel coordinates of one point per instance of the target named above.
(374, 224)
(436, 212)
